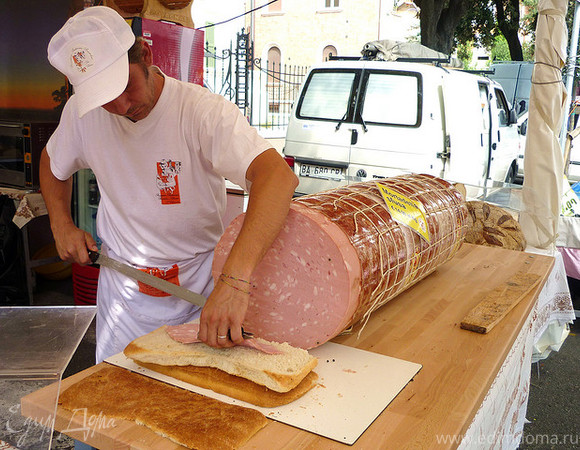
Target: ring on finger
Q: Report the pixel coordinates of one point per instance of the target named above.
(222, 337)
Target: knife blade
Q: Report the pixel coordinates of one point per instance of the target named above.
(147, 278)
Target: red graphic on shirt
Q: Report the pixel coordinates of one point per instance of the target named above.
(168, 181)
(171, 275)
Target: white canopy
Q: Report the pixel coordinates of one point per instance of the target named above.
(544, 162)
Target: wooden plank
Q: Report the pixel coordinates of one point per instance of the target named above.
(499, 302)
(420, 325)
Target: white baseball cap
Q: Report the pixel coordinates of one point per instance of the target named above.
(91, 51)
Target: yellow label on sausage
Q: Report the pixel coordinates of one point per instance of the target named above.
(406, 211)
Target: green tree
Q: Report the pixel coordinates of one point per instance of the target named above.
(508, 22)
(486, 20)
(530, 18)
(477, 26)
(438, 21)
(465, 54)
(528, 48)
(446, 23)
(500, 51)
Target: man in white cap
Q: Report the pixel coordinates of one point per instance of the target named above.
(160, 150)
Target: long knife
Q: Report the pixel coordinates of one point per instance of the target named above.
(147, 278)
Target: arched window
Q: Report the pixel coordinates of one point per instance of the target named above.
(274, 70)
(274, 56)
(329, 50)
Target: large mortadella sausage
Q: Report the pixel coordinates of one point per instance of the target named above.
(341, 255)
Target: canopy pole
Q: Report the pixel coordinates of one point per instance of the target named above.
(570, 73)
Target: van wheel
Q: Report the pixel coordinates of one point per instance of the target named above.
(512, 174)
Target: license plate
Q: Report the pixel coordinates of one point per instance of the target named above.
(324, 172)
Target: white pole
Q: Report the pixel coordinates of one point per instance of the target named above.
(570, 73)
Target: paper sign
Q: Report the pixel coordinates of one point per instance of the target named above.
(406, 211)
(570, 200)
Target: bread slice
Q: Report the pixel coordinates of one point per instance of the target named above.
(280, 372)
(235, 387)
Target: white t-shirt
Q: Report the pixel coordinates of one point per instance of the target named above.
(161, 179)
(162, 186)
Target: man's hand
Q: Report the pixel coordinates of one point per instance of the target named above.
(223, 314)
(272, 185)
(73, 244)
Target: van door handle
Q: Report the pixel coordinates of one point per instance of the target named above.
(353, 136)
(494, 146)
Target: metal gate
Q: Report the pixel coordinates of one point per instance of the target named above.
(264, 91)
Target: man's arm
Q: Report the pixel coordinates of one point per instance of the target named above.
(272, 186)
(71, 242)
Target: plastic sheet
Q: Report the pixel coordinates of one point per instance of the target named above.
(37, 345)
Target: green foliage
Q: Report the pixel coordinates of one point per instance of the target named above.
(500, 50)
(529, 48)
(484, 22)
(530, 21)
(465, 54)
(477, 26)
(480, 28)
(530, 18)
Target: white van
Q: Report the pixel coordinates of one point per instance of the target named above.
(515, 77)
(358, 120)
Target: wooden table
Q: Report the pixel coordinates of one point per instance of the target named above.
(421, 325)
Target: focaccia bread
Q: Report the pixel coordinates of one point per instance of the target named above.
(185, 417)
(278, 372)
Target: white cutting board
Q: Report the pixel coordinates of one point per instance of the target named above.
(354, 387)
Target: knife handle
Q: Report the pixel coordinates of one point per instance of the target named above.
(93, 256)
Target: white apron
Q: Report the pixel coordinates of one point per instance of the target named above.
(124, 313)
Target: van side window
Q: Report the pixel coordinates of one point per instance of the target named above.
(327, 96)
(392, 99)
(484, 96)
(502, 107)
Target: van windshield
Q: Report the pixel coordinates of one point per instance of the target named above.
(327, 95)
(391, 99)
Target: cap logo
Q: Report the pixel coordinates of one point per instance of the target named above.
(82, 59)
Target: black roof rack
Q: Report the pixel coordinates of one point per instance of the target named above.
(436, 61)
(417, 60)
(344, 58)
(425, 60)
(480, 72)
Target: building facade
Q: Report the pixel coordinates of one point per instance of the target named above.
(306, 32)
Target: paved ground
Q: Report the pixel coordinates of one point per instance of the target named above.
(554, 404)
(553, 409)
